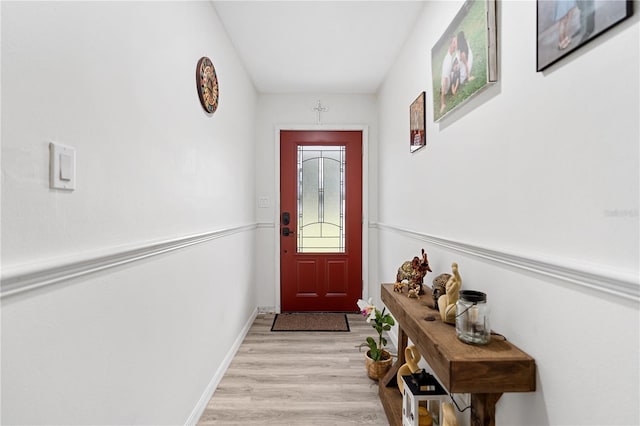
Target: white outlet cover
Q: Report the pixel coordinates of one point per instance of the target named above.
(263, 202)
(62, 167)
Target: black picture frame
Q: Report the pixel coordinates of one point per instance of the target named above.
(563, 26)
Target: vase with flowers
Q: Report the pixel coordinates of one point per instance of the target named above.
(377, 359)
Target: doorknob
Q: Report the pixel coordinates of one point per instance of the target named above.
(286, 231)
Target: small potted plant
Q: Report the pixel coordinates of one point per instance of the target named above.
(377, 359)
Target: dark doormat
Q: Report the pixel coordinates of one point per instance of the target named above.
(310, 322)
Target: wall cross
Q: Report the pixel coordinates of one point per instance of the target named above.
(319, 109)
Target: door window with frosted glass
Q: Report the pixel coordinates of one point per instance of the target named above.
(321, 195)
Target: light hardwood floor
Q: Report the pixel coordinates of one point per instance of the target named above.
(297, 378)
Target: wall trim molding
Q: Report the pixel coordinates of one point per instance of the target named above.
(608, 281)
(197, 411)
(266, 225)
(23, 278)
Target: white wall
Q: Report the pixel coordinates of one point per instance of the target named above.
(297, 110)
(139, 343)
(542, 166)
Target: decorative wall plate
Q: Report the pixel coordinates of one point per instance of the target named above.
(207, 84)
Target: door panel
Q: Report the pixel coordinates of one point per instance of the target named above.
(337, 277)
(321, 220)
(307, 277)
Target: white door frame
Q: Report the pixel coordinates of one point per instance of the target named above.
(365, 198)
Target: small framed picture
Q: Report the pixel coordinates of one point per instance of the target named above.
(566, 25)
(417, 136)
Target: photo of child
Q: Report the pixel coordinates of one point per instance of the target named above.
(460, 59)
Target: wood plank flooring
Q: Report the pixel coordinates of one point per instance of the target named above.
(297, 378)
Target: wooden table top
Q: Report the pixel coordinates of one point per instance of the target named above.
(462, 368)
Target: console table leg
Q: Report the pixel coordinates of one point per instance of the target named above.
(483, 408)
(390, 378)
(388, 386)
(403, 341)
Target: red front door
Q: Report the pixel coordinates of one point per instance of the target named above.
(320, 220)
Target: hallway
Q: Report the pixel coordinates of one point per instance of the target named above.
(297, 378)
(141, 233)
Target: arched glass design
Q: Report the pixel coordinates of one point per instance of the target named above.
(321, 199)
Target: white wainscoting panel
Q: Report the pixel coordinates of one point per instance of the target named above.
(219, 374)
(612, 282)
(22, 278)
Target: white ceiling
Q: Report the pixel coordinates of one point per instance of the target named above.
(318, 46)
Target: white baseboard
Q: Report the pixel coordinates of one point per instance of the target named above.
(267, 309)
(217, 377)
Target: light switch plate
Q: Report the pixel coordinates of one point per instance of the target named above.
(62, 167)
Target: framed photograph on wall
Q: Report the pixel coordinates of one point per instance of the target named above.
(566, 25)
(465, 58)
(417, 135)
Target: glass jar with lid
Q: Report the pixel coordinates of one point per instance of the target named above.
(472, 318)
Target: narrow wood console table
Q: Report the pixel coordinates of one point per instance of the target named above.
(486, 372)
